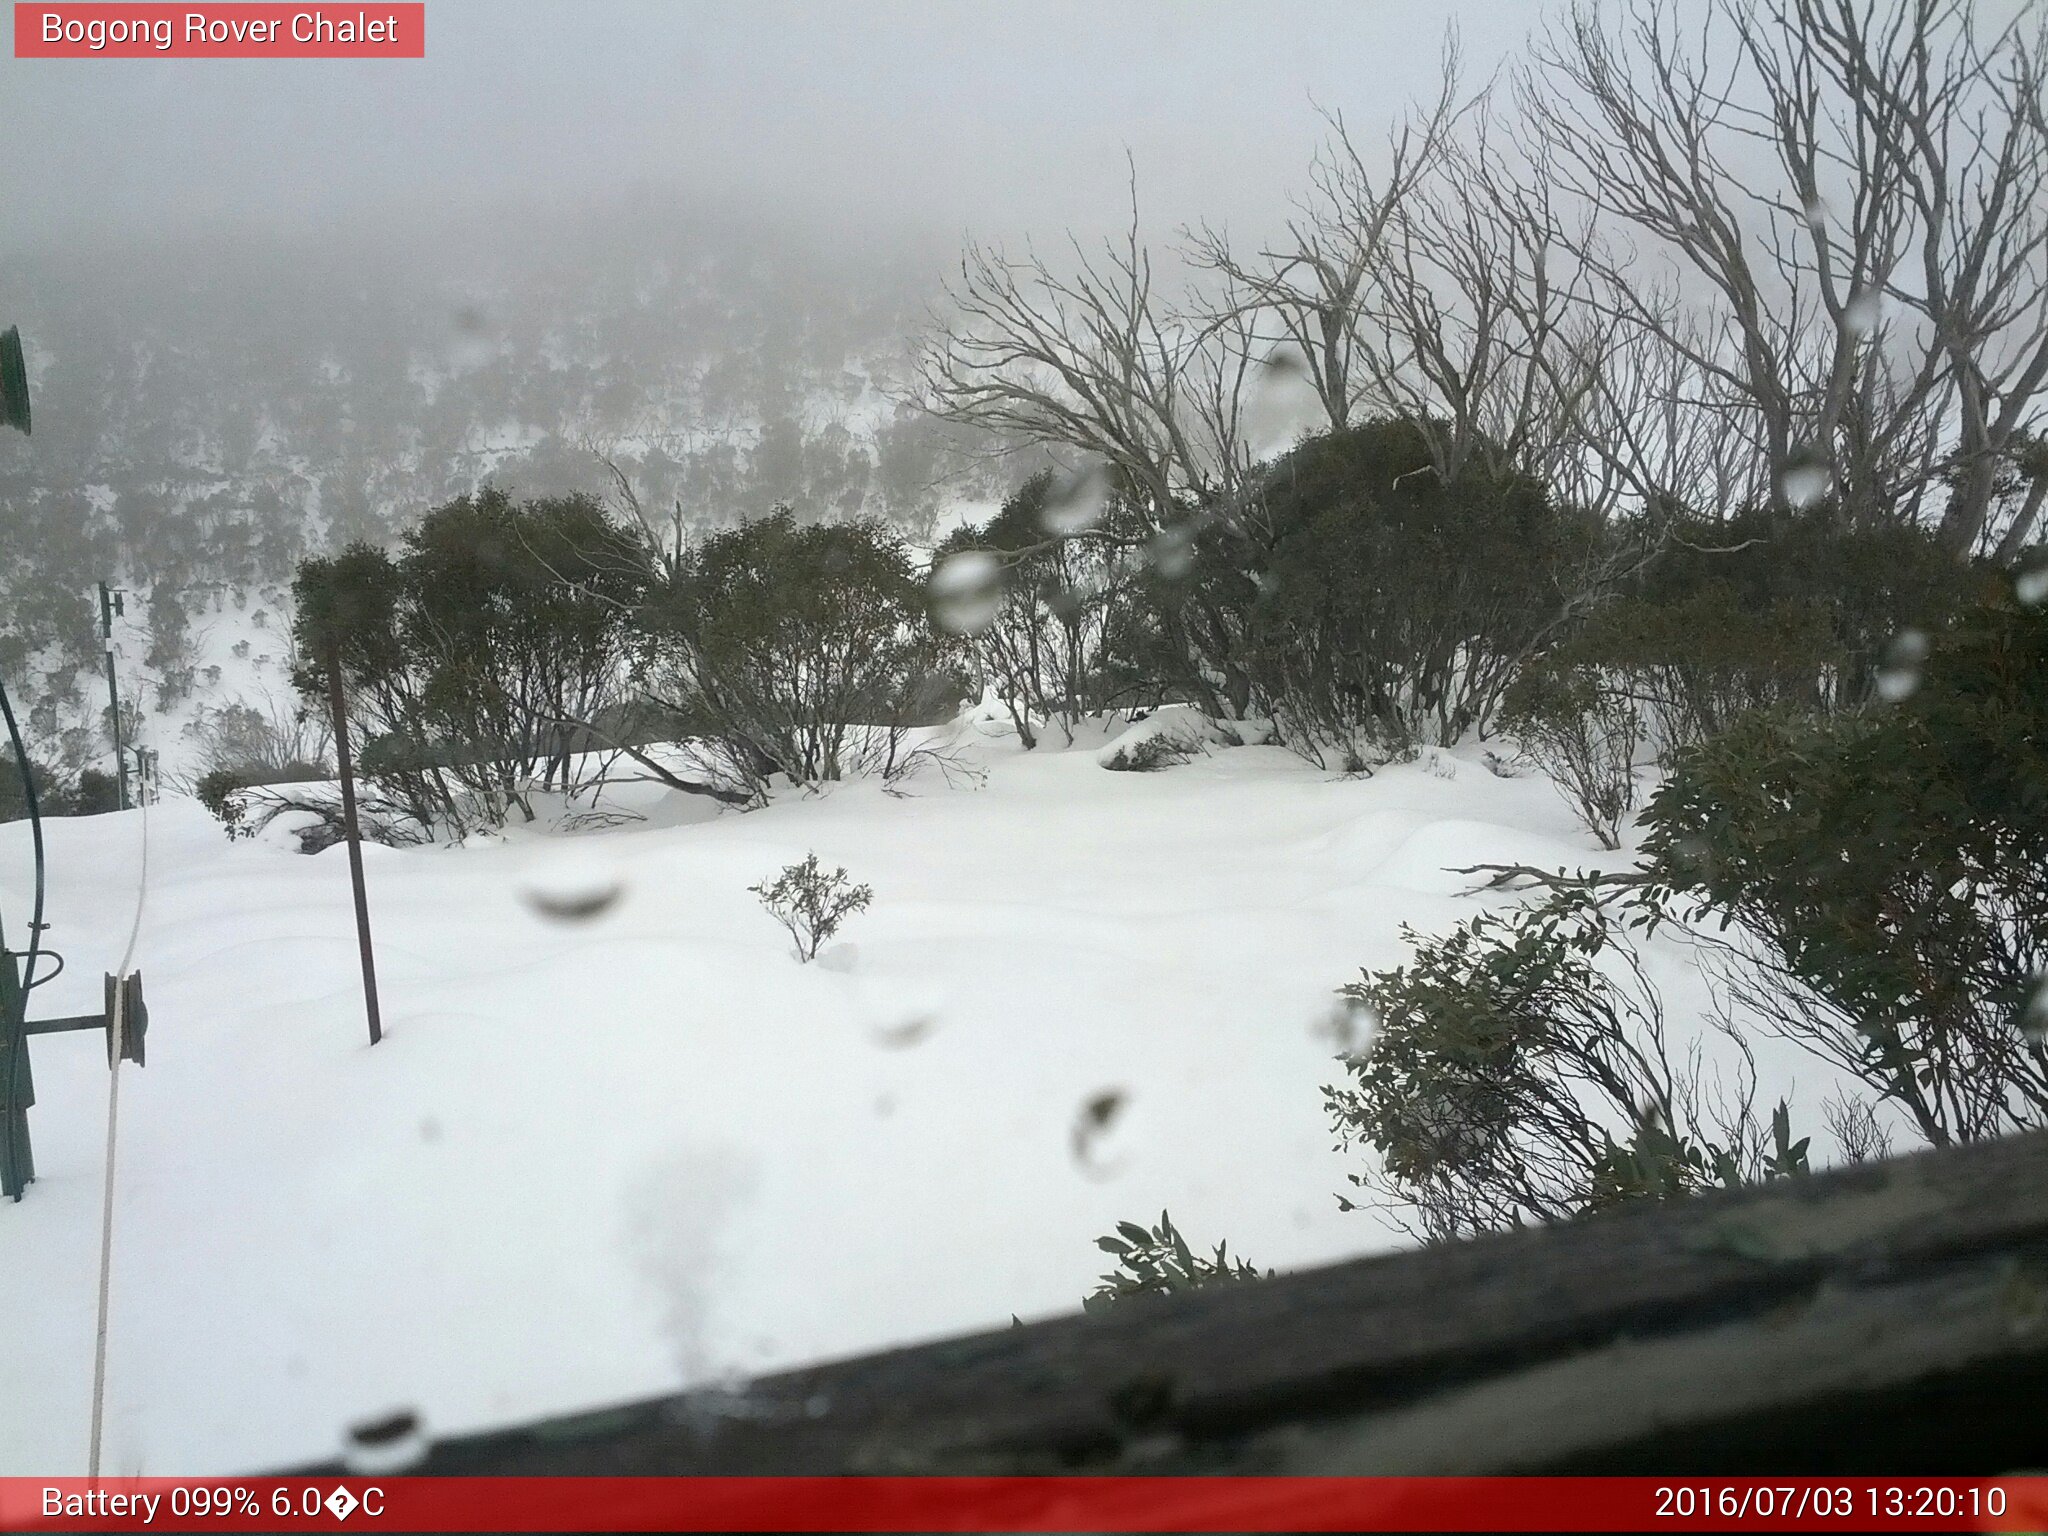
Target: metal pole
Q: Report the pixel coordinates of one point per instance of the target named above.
(355, 842)
(114, 696)
(17, 1091)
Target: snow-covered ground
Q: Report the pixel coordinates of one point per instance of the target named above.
(600, 1159)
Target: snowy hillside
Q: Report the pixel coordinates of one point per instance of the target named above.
(601, 1159)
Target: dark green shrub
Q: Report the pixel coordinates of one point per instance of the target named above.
(1584, 738)
(1889, 872)
(1520, 1068)
(1687, 665)
(811, 903)
(1818, 578)
(94, 793)
(486, 646)
(1390, 605)
(1150, 755)
(220, 792)
(804, 651)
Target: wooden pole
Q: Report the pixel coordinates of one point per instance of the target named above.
(355, 843)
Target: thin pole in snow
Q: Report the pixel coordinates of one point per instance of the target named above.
(355, 842)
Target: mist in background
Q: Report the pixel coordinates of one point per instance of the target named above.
(883, 117)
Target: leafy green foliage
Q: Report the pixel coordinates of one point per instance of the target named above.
(811, 903)
(1813, 593)
(479, 655)
(1686, 667)
(1391, 605)
(1889, 873)
(93, 793)
(1521, 1070)
(220, 792)
(1584, 738)
(245, 800)
(1046, 649)
(87, 793)
(1159, 1262)
(799, 650)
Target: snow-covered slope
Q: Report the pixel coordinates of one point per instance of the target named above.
(602, 1159)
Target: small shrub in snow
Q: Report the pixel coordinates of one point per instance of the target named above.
(1585, 738)
(812, 904)
(1369, 747)
(1149, 755)
(1160, 1263)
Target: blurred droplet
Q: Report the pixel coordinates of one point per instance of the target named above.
(392, 1442)
(1898, 676)
(469, 343)
(899, 1036)
(1804, 479)
(1092, 1122)
(966, 592)
(1860, 314)
(1349, 1024)
(430, 1130)
(2033, 1014)
(2030, 579)
(1075, 502)
(1281, 406)
(569, 886)
(1816, 211)
(1172, 551)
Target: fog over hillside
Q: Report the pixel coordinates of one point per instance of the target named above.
(211, 412)
(269, 321)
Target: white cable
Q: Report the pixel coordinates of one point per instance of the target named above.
(99, 1349)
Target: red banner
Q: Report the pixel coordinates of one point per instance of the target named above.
(371, 30)
(1025, 1504)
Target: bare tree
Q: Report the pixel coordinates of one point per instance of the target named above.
(1093, 360)
(1832, 211)
(1306, 296)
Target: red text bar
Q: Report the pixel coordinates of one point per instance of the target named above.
(1200, 1504)
(220, 31)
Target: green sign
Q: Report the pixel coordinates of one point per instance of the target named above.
(13, 380)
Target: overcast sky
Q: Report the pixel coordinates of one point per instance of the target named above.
(991, 116)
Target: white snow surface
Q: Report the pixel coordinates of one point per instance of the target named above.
(598, 1160)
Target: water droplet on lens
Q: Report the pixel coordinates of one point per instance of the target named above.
(1899, 675)
(1172, 552)
(2030, 581)
(1804, 480)
(1282, 405)
(572, 887)
(1350, 1025)
(1860, 314)
(389, 1443)
(2033, 1015)
(1076, 502)
(902, 1035)
(966, 592)
(1098, 1113)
